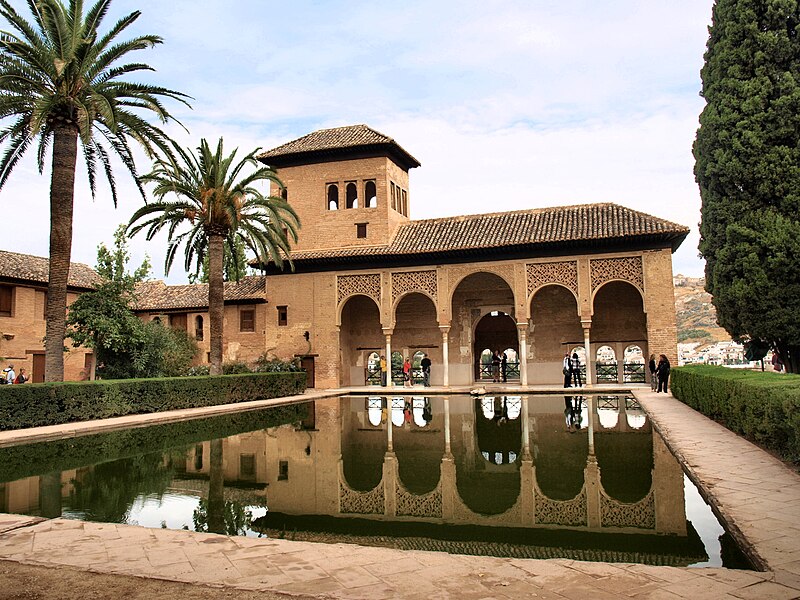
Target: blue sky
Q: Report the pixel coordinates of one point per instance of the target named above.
(508, 105)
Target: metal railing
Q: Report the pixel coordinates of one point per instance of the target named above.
(633, 373)
(486, 371)
(606, 372)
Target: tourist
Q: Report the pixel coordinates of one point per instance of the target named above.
(653, 377)
(426, 370)
(407, 373)
(566, 369)
(383, 370)
(575, 367)
(777, 363)
(504, 366)
(662, 371)
(496, 366)
(427, 411)
(21, 378)
(8, 374)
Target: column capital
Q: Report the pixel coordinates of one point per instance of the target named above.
(444, 328)
(522, 326)
(388, 330)
(586, 324)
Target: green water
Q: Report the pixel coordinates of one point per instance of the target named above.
(591, 480)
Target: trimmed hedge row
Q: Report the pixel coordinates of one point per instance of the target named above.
(17, 462)
(34, 405)
(763, 407)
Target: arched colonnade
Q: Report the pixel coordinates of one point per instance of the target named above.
(535, 311)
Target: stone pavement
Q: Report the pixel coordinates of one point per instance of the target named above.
(754, 491)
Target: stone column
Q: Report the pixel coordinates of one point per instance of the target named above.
(522, 331)
(445, 329)
(591, 410)
(526, 434)
(587, 345)
(591, 478)
(388, 334)
(447, 449)
(389, 443)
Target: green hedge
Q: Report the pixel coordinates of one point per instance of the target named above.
(763, 407)
(34, 405)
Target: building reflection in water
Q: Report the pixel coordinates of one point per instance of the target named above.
(574, 463)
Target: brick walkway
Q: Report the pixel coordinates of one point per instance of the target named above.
(755, 492)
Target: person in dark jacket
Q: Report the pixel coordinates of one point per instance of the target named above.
(651, 366)
(662, 371)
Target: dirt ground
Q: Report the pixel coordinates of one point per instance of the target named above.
(28, 582)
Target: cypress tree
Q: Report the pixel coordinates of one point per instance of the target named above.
(748, 170)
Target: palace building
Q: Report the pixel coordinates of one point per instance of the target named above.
(368, 281)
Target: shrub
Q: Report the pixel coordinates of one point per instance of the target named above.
(268, 364)
(763, 407)
(236, 367)
(34, 405)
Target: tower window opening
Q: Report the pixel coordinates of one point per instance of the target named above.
(394, 196)
(333, 196)
(361, 230)
(405, 202)
(370, 194)
(285, 194)
(351, 195)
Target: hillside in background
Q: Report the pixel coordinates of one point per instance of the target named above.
(696, 316)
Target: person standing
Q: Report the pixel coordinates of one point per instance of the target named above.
(495, 366)
(504, 366)
(407, 373)
(662, 371)
(426, 371)
(575, 367)
(9, 374)
(653, 376)
(383, 370)
(21, 378)
(566, 369)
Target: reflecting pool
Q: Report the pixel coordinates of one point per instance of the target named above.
(582, 477)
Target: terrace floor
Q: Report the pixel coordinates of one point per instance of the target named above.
(756, 494)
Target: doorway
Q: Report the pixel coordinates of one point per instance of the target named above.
(307, 364)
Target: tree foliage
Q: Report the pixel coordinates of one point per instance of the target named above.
(747, 166)
(65, 81)
(217, 203)
(124, 346)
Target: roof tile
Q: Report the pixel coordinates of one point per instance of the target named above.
(35, 269)
(156, 295)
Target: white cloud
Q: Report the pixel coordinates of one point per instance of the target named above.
(507, 104)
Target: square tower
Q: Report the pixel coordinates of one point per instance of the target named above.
(348, 185)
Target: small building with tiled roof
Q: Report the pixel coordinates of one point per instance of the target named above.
(185, 307)
(23, 296)
(591, 281)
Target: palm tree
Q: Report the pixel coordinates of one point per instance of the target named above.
(221, 206)
(62, 81)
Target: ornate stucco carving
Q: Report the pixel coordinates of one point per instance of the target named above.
(414, 281)
(368, 285)
(563, 272)
(627, 268)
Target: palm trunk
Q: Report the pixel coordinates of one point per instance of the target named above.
(216, 306)
(62, 192)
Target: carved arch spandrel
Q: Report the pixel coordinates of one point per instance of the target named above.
(365, 285)
(563, 273)
(404, 282)
(628, 268)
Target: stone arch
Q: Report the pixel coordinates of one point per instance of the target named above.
(360, 334)
(415, 327)
(561, 285)
(465, 274)
(555, 328)
(345, 300)
(618, 319)
(477, 294)
(494, 331)
(612, 282)
(351, 195)
(418, 448)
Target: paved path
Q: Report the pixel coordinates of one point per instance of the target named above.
(757, 493)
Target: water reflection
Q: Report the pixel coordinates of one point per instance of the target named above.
(558, 468)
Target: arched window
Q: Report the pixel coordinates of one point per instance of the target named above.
(285, 194)
(405, 202)
(370, 195)
(333, 197)
(374, 410)
(157, 320)
(606, 364)
(351, 196)
(398, 418)
(198, 328)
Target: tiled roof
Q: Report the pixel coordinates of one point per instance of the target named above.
(35, 269)
(583, 223)
(156, 295)
(337, 141)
